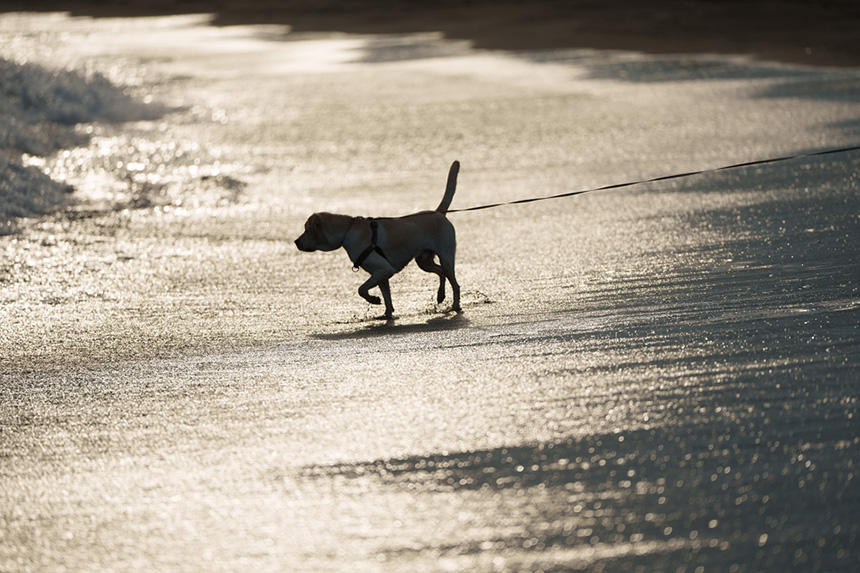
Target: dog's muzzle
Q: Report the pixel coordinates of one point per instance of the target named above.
(302, 245)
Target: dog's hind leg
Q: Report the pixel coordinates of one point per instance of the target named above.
(448, 270)
(427, 264)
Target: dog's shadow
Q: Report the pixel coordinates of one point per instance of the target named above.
(392, 326)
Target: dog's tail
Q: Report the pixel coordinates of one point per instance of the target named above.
(449, 188)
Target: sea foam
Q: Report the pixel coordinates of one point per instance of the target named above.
(42, 111)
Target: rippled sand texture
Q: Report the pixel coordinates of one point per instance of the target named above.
(662, 377)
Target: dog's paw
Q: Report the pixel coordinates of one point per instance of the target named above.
(440, 296)
(373, 299)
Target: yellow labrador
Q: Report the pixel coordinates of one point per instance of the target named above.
(383, 246)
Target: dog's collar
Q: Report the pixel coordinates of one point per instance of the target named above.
(372, 247)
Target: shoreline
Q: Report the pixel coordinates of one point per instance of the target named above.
(791, 31)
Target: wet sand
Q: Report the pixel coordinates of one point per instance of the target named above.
(795, 31)
(661, 377)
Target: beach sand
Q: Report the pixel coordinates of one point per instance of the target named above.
(661, 377)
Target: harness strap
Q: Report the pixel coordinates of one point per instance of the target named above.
(373, 247)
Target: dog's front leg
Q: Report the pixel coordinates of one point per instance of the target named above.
(377, 278)
(386, 297)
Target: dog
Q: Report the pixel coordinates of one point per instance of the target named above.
(384, 246)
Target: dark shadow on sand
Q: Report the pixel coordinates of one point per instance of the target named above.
(686, 68)
(382, 327)
(778, 263)
(736, 490)
(816, 172)
(823, 84)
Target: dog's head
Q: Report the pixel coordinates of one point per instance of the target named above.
(322, 233)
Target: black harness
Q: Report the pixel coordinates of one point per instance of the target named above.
(373, 247)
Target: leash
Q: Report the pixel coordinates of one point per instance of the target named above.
(663, 178)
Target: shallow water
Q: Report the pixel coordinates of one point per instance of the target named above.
(661, 377)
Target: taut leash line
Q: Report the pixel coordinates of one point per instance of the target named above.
(663, 178)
